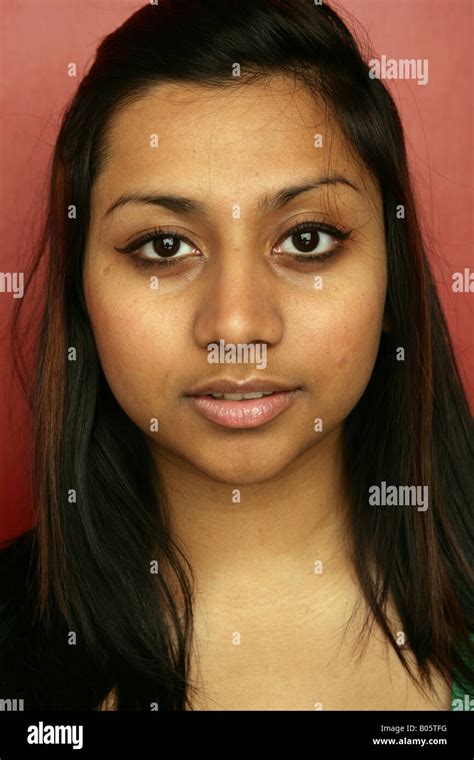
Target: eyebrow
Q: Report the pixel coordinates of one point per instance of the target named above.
(181, 205)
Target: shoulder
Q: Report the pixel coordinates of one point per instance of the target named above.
(15, 559)
(15, 552)
(16, 562)
(36, 663)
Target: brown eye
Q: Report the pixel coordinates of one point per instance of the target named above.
(312, 241)
(165, 247)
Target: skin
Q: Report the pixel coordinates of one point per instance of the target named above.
(222, 148)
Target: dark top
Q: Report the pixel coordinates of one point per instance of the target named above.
(40, 669)
(45, 671)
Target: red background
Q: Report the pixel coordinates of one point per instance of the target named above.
(40, 38)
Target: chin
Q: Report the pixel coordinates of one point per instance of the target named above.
(243, 470)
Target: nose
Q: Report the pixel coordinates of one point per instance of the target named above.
(238, 303)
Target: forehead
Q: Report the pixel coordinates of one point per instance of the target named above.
(215, 139)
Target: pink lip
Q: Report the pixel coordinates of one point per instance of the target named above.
(248, 413)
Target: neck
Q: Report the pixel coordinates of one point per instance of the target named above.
(231, 532)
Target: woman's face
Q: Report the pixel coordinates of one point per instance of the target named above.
(235, 273)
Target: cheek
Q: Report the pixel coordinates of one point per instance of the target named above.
(352, 362)
(138, 347)
(348, 341)
(352, 342)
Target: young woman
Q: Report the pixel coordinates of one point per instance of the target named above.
(231, 215)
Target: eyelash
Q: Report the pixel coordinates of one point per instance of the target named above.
(341, 234)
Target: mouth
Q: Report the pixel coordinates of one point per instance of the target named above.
(239, 396)
(248, 405)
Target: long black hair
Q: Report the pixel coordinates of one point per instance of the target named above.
(100, 520)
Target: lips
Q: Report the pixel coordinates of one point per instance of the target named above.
(256, 385)
(223, 402)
